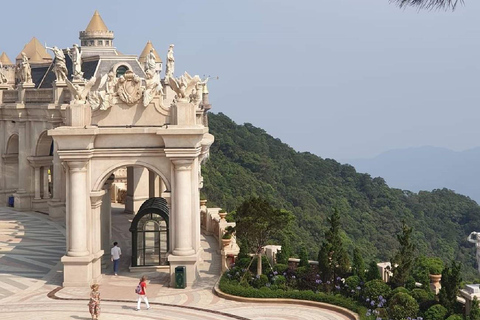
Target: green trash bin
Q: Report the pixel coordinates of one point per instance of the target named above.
(180, 277)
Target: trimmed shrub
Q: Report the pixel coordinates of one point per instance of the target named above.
(455, 317)
(401, 306)
(421, 295)
(436, 312)
(397, 290)
(375, 289)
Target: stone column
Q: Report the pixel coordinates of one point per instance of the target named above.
(46, 194)
(96, 199)
(57, 203)
(37, 183)
(106, 216)
(183, 245)
(77, 210)
(22, 198)
(137, 189)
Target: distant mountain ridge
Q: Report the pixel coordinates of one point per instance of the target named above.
(426, 168)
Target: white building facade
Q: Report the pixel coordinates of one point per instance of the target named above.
(62, 141)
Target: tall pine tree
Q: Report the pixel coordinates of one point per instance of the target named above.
(450, 284)
(402, 262)
(332, 258)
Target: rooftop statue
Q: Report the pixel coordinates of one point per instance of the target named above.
(474, 237)
(76, 57)
(80, 92)
(151, 62)
(60, 68)
(3, 79)
(186, 84)
(152, 87)
(24, 71)
(170, 63)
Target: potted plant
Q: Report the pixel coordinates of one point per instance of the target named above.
(227, 236)
(435, 268)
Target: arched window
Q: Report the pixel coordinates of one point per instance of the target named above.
(121, 70)
(150, 232)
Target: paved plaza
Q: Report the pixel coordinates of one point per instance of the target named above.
(31, 276)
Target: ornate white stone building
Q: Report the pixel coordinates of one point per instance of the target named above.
(68, 123)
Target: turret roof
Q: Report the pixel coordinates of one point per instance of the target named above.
(35, 52)
(96, 23)
(146, 51)
(5, 60)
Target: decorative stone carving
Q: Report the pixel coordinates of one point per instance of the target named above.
(170, 68)
(59, 67)
(3, 78)
(24, 71)
(152, 87)
(129, 88)
(102, 99)
(186, 84)
(80, 92)
(76, 57)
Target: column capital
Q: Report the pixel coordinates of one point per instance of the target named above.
(96, 198)
(182, 164)
(77, 165)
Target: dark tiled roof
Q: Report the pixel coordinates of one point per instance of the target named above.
(88, 69)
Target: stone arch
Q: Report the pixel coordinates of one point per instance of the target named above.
(44, 145)
(116, 67)
(102, 177)
(12, 144)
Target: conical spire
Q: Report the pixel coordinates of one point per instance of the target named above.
(96, 23)
(5, 60)
(35, 52)
(146, 51)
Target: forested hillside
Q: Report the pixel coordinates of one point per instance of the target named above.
(245, 161)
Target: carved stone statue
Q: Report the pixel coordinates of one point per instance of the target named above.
(474, 237)
(80, 91)
(170, 64)
(152, 87)
(3, 78)
(151, 62)
(24, 70)
(183, 85)
(76, 57)
(60, 67)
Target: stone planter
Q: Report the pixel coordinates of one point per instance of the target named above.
(222, 215)
(435, 282)
(226, 242)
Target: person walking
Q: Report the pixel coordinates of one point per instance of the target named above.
(141, 290)
(94, 303)
(116, 252)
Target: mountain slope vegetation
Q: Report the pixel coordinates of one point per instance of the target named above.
(245, 161)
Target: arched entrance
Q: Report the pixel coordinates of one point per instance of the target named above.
(150, 234)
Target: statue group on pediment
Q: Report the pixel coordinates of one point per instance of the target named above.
(76, 56)
(186, 88)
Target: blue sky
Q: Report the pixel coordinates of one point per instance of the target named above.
(341, 79)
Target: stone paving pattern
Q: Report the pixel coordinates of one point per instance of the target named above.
(31, 276)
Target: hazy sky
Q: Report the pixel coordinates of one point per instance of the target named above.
(341, 79)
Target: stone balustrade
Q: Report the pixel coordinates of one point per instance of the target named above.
(213, 224)
(39, 96)
(9, 96)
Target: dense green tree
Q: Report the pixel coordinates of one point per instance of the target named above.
(474, 310)
(358, 265)
(286, 252)
(373, 273)
(257, 222)
(429, 4)
(450, 285)
(333, 258)
(402, 306)
(436, 312)
(304, 258)
(402, 261)
(246, 161)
